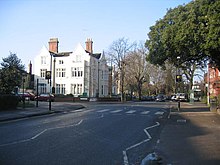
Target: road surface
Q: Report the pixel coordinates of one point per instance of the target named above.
(110, 134)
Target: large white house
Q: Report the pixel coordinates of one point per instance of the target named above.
(80, 72)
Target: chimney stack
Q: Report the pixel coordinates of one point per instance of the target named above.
(30, 68)
(53, 45)
(89, 43)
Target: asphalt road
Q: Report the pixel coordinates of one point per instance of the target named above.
(109, 134)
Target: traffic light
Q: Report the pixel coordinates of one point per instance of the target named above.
(48, 75)
(178, 78)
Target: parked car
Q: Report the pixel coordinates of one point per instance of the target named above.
(179, 97)
(45, 97)
(26, 95)
(160, 98)
(173, 98)
(147, 98)
(31, 95)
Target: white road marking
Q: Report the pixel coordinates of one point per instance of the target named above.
(37, 135)
(104, 110)
(116, 111)
(145, 112)
(159, 113)
(79, 110)
(34, 137)
(131, 111)
(80, 122)
(125, 157)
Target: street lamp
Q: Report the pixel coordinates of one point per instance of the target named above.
(178, 80)
(49, 73)
(98, 79)
(23, 81)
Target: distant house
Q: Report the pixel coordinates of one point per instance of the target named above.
(80, 72)
(213, 80)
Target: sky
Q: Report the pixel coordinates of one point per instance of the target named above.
(27, 25)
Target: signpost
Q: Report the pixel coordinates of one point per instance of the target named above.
(48, 77)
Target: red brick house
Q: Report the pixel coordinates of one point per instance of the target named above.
(213, 81)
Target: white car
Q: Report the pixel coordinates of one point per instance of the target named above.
(179, 96)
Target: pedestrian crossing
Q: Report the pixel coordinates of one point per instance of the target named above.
(116, 111)
(130, 112)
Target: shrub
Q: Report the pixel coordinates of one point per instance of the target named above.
(8, 101)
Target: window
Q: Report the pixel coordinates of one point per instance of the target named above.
(76, 89)
(43, 60)
(61, 72)
(43, 73)
(42, 88)
(102, 90)
(61, 89)
(61, 62)
(77, 72)
(78, 58)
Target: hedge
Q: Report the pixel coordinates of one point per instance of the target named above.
(8, 101)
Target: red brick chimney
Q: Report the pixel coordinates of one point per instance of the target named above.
(53, 45)
(89, 43)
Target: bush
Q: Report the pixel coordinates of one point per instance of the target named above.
(8, 101)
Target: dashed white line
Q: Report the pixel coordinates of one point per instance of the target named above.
(104, 110)
(145, 112)
(131, 111)
(159, 113)
(116, 111)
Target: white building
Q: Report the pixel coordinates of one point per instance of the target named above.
(80, 72)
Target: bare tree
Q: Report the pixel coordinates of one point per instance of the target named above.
(136, 69)
(118, 51)
(156, 78)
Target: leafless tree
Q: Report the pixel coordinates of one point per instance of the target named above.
(136, 69)
(118, 51)
(163, 78)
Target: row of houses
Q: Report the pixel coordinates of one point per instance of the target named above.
(80, 72)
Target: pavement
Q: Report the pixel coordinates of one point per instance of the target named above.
(190, 136)
(42, 109)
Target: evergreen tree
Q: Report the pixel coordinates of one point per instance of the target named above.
(11, 73)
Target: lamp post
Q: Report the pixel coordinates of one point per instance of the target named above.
(37, 93)
(208, 87)
(178, 80)
(49, 76)
(98, 79)
(23, 98)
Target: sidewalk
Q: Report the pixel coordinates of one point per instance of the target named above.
(191, 136)
(42, 109)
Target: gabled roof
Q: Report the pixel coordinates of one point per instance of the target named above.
(44, 51)
(95, 55)
(79, 49)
